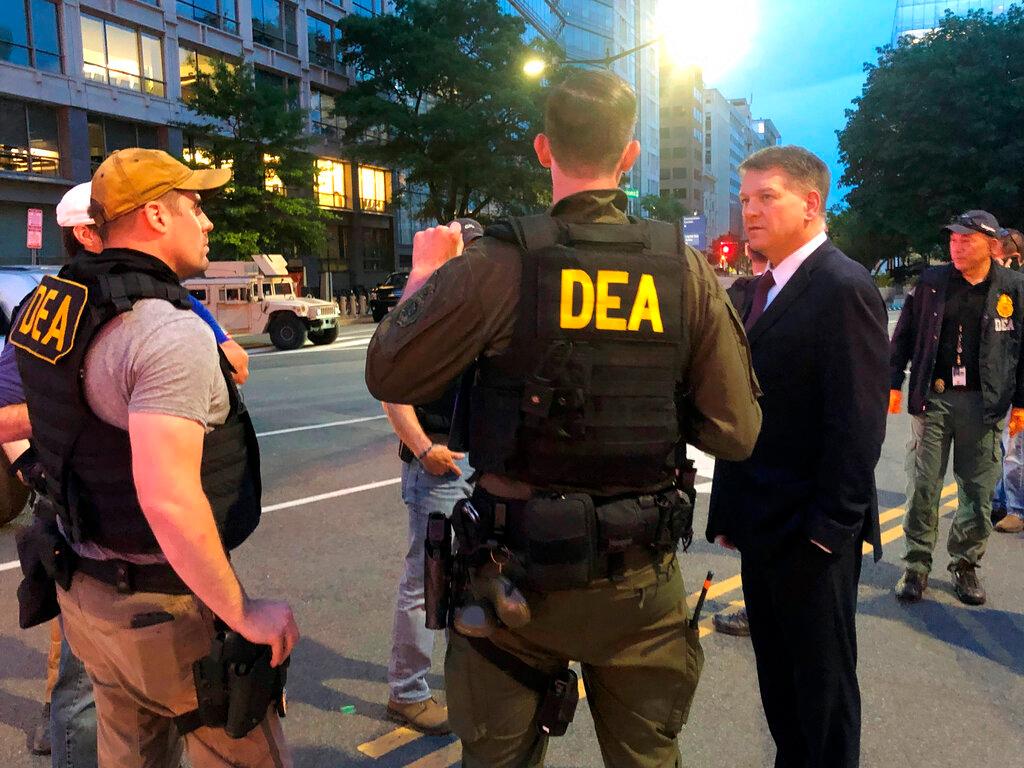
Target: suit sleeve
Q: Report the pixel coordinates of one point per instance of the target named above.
(718, 411)
(854, 382)
(901, 348)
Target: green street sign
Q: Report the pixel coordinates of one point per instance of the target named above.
(632, 193)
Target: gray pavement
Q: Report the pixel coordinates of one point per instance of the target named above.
(943, 684)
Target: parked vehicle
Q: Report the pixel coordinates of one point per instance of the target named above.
(385, 296)
(16, 282)
(259, 297)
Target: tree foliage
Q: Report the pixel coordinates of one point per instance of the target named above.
(441, 94)
(661, 208)
(861, 239)
(256, 130)
(937, 131)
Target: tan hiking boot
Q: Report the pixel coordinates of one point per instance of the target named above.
(428, 716)
(1010, 524)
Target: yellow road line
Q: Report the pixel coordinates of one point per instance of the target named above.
(388, 742)
(442, 758)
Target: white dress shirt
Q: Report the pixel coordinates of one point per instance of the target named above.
(789, 265)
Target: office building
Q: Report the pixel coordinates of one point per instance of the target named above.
(81, 79)
(682, 136)
(918, 17)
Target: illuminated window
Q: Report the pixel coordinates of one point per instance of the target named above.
(332, 183)
(29, 36)
(28, 138)
(374, 189)
(193, 66)
(222, 14)
(272, 182)
(122, 56)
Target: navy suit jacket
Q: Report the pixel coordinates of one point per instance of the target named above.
(821, 354)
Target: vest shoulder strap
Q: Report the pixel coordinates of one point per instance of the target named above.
(530, 233)
(664, 237)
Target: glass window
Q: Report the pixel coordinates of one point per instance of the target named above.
(332, 183)
(367, 7)
(199, 294)
(287, 84)
(321, 113)
(192, 66)
(28, 138)
(273, 25)
(122, 56)
(107, 134)
(324, 39)
(222, 14)
(29, 35)
(283, 288)
(374, 189)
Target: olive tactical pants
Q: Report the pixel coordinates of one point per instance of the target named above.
(957, 420)
(640, 663)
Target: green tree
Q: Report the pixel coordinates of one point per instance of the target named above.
(938, 130)
(258, 131)
(663, 208)
(860, 238)
(442, 96)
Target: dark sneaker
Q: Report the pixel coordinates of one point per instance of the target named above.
(40, 743)
(733, 623)
(966, 585)
(998, 513)
(430, 716)
(911, 586)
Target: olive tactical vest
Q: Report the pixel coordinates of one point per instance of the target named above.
(88, 462)
(585, 396)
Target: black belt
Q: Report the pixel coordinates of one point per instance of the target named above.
(130, 577)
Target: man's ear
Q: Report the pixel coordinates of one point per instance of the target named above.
(542, 146)
(629, 156)
(813, 201)
(157, 216)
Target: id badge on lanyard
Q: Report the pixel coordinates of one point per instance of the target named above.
(959, 370)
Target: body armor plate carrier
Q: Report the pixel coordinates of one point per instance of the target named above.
(87, 461)
(584, 398)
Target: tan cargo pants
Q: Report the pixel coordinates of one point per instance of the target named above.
(142, 679)
(640, 662)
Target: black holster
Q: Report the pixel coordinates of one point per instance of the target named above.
(235, 685)
(437, 571)
(46, 562)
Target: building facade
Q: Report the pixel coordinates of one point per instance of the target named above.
(918, 17)
(82, 78)
(682, 137)
(731, 134)
(595, 29)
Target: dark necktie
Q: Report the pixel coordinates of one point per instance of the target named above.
(765, 284)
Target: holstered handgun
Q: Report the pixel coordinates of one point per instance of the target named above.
(558, 707)
(437, 571)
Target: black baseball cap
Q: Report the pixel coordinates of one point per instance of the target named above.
(976, 221)
(471, 230)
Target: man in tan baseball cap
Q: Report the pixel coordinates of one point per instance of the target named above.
(145, 199)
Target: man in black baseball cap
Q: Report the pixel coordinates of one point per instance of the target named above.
(961, 331)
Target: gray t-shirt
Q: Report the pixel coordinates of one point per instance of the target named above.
(155, 359)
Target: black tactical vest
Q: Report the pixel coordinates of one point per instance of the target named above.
(87, 461)
(584, 398)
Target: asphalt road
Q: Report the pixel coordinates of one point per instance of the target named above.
(943, 684)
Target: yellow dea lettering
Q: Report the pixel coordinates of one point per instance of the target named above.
(602, 308)
(47, 326)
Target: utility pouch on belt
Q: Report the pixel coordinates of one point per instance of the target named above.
(437, 570)
(555, 539)
(46, 561)
(235, 686)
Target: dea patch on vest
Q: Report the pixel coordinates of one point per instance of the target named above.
(47, 326)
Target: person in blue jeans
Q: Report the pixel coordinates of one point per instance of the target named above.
(70, 738)
(1008, 499)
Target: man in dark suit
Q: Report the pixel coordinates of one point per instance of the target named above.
(800, 506)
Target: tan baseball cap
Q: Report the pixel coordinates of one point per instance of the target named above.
(130, 178)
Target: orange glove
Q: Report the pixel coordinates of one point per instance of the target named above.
(1016, 421)
(895, 400)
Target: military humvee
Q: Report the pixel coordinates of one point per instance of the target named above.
(259, 297)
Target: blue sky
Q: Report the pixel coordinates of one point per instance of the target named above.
(805, 65)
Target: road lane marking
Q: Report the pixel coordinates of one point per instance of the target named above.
(442, 758)
(9, 566)
(325, 425)
(389, 742)
(332, 495)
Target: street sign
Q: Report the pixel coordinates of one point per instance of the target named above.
(695, 232)
(632, 193)
(35, 228)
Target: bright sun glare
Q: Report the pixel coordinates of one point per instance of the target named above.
(715, 35)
